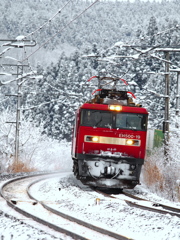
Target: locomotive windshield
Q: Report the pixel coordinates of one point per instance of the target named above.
(94, 118)
(106, 119)
(131, 121)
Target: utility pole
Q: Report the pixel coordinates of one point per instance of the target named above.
(166, 114)
(178, 93)
(167, 93)
(14, 43)
(166, 51)
(19, 73)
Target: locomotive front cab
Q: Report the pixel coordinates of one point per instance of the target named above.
(109, 145)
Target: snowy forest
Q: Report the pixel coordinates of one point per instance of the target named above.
(110, 38)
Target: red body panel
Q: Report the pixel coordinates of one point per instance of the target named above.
(96, 148)
(82, 147)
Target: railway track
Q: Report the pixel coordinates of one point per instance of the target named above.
(20, 196)
(145, 204)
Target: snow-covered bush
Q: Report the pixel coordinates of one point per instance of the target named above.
(161, 174)
(37, 152)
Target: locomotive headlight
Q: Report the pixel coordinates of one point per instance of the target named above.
(95, 139)
(115, 107)
(129, 142)
(132, 142)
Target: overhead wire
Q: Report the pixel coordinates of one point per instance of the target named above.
(71, 21)
(26, 58)
(48, 21)
(176, 27)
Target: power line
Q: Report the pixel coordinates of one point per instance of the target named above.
(48, 21)
(71, 21)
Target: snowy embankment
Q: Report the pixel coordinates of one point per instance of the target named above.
(161, 174)
(47, 155)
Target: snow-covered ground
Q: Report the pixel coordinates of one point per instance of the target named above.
(49, 156)
(15, 226)
(114, 214)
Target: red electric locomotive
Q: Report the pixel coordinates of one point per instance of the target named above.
(109, 140)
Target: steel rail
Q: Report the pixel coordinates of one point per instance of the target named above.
(152, 209)
(73, 219)
(155, 204)
(166, 209)
(13, 204)
(35, 218)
